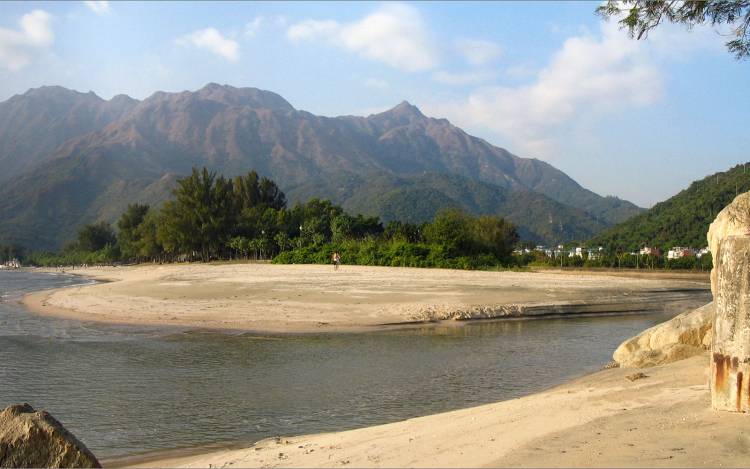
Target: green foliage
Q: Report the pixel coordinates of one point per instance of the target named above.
(95, 237)
(453, 240)
(128, 233)
(213, 218)
(201, 215)
(418, 199)
(681, 220)
(641, 16)
(8, 252)
(450, 229)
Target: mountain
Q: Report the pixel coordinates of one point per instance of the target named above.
(34, 124)
(103, 155)
(683, 219)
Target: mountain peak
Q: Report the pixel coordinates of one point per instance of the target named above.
(405, 108)
(58, 92)
(402, 114)
(252, 97)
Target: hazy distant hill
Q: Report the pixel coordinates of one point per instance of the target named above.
(85, 158)
(34, 124)
(683, 219)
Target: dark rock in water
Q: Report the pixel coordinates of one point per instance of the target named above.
(30, 438)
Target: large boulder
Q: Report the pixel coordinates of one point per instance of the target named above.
(730, 349)
(30, 438)
(733, 220)
(729, 241)
(683, 336)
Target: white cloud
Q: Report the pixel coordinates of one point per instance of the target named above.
(478, 51)
(588, 76)
(19, 47)
(376, 83)
(100, 7)
(463, 78)
(213, 41)
(395, 34)
(313, 29)
(253, 26)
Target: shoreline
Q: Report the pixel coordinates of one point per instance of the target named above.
(154, 458)
(659, 420)
(305, 299)
(561, 425)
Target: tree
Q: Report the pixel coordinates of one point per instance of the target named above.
(95, 236)
(451, 228)
(641, 16)
(397, 230)
(201, 216)
(495, 235)
(251, 191)
(147, 244)
(128, 234)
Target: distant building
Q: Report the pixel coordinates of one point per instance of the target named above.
(649, 251)
(595, 253)
(11, 264)
(678, 252)
(575, 252)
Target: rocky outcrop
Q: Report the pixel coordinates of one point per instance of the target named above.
(729, 241)
(733, 220)
(681, 337)
(30, 438)
(730, 348)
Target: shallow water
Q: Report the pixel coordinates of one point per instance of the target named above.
(127, 390)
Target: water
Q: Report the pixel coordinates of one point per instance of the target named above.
(127, 390)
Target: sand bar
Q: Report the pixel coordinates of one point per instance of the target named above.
(600, 420)
(314, 298)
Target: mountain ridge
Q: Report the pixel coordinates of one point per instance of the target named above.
(234, 130)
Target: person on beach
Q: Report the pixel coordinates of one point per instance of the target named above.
(336, 259)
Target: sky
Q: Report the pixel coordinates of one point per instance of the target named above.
(635, 119)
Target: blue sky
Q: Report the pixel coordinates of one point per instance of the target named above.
(636, 119)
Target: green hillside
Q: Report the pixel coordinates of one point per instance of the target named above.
(417, 199)
(681, 220)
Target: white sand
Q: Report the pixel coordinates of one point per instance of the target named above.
(305, 298)
(600, 420)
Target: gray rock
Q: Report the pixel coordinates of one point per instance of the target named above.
(30, 438)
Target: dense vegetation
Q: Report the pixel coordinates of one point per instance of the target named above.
(213, 218)
(682, 220)
(417, 199)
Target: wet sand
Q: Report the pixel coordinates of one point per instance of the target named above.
(270, 298)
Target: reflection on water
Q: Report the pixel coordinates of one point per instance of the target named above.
(125, 390)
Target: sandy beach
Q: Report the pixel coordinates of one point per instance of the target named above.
(601, 420)
(314, 298)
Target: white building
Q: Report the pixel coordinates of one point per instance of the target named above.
(678, 252)
(649, 251)
(702, 252)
